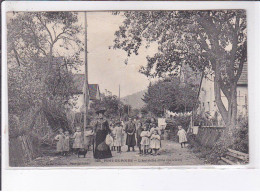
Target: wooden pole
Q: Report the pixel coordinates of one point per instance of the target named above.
(119, 103)
(86, 97)
(119, 92)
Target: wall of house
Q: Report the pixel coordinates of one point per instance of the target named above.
(207, 102)
(242, 98)
(79, 102)
(78, 99)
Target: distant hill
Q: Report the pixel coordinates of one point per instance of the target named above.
(135, 100)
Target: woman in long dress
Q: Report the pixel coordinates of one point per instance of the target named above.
(101, 149)
(182, 136)
(130, 130)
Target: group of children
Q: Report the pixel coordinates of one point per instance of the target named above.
(80, 140)
(148, 138)
(149, 141)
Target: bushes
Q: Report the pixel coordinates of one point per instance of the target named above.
(212, 155)
(241, 142)
(174, 122)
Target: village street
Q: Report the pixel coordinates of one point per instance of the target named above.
(171, 154)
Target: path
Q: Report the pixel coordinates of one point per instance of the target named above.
(171, 154)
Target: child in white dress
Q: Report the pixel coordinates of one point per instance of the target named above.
(145, 142)
(60, 142)
(155, 142)
(78, 140)
(182, 136)
(118, 136)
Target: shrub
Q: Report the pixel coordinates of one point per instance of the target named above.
(212, 155)
(241, 135)
(174, 122)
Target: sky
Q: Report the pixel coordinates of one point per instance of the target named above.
(106, 66)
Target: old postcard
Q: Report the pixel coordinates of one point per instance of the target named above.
(127, 88)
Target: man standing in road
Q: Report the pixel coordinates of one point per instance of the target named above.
(130, 130)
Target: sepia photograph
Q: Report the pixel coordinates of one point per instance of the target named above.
(139, 88)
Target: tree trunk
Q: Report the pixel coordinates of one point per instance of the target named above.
(222, 109)
(229, 116)
(232, 111)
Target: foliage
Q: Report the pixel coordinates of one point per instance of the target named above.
(110, 103)
(241, 142)
(205, 119)
(174, 122)
(135, 113)
(205, 40)
(42, 50)
(170, 94)
(39, 68)
(212, 155)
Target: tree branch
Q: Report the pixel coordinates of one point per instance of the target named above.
(16, 56)
(45, 26)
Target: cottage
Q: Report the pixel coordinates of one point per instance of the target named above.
(78, 97)
(206, 99)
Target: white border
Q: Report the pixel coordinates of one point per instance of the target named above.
(18, 178)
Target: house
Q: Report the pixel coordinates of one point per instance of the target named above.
(206, 105)
(78, 97)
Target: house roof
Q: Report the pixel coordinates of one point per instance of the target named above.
(79, 80)
(243, 78)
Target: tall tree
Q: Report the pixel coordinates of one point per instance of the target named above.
(208, 41)
(43, 48)
(170, 94)
(110, 103)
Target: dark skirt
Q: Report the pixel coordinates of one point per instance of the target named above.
(139, 139)
(101, 149)
(130, 140)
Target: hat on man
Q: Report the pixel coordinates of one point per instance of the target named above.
(101, 111)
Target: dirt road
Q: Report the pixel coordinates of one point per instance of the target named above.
(171, 154)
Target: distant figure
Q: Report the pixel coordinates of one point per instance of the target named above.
(78, 143)
(130, 130)
(118, 136)
(66, 146)
(182, 136)
(60, 138)
(112, 128)
(138, 136)
(145, 142)
(101, 149)
(155, 144)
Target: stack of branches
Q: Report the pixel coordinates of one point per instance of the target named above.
(33, 129)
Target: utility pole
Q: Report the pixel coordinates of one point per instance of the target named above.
(86, 95)
(119, 92)
(119, 103)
